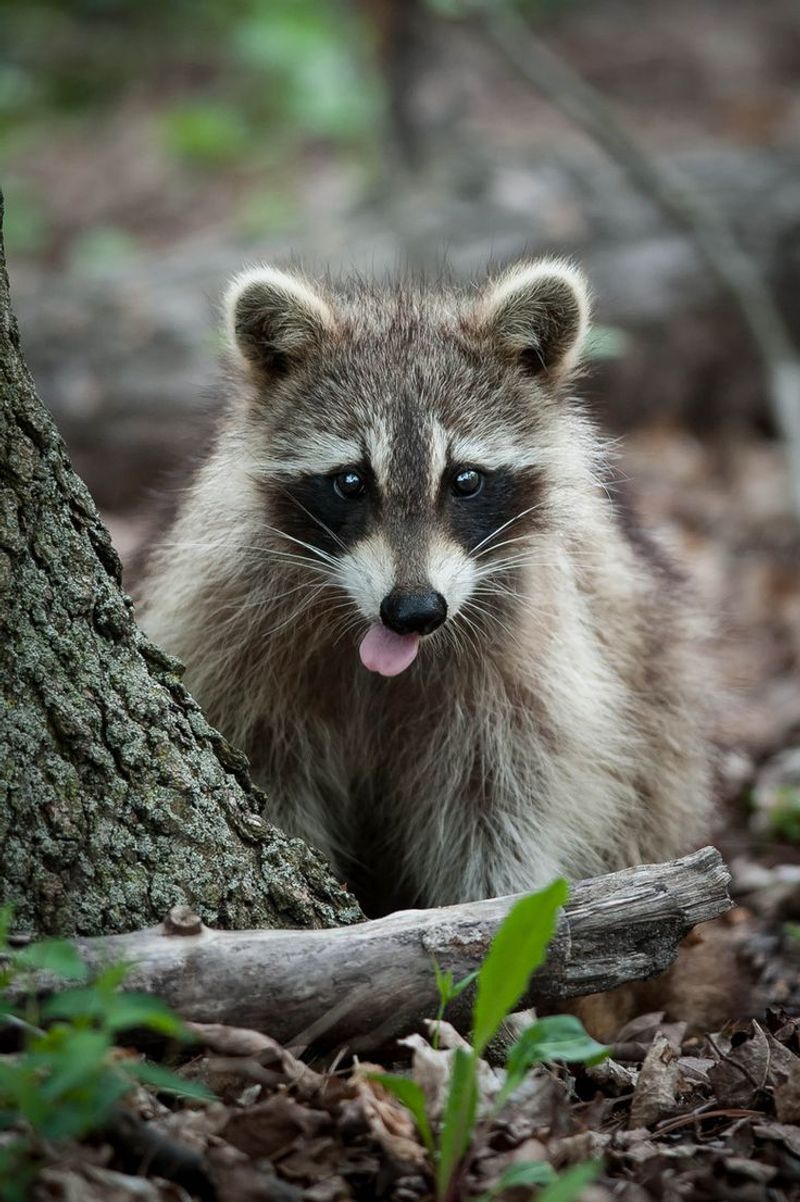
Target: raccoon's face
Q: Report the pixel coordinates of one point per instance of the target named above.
(404, 440)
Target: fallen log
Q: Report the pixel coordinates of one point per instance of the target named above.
(366, 983)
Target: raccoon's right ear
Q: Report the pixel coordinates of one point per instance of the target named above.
(274, 319)
(538, 313)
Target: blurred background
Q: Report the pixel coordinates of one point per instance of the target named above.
(149, 148)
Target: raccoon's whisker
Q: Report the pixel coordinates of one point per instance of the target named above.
(531, 557)
(269, 600)
(295, 614)
(266, 552)
(499, 530)
(461, 635)
(495, 589)
(315, 550)
(507, 542)
(504, 565)
(490, 615)
(352, 623)
(578, 556)
(314, 518)
(462, 638)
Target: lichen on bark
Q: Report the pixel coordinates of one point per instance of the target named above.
(117, 799)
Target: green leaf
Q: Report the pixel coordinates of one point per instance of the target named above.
(128, 1010)
(116, 1011)
(75, 1004)
(112, 977)
(564, 1037)
(558, 1037)
(86, 1108)
(517, 949)
(17, 1170)
(444, 983)
(207, 133)
(54, 955)
(166, 1081)
(458, 1120)
(570, 1185)
(6, 916)
(78, 1058)
(411, 1095)
(525, 1172)
(463, 984)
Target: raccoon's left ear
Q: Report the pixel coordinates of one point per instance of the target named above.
(539, 313)
(274, 318)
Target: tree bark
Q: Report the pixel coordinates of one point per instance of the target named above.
(365, 984)
(117, 799)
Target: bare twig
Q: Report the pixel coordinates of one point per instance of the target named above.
(731, 265)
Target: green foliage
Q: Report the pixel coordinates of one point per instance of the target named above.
(67, 1076)
(309, 47)
(525, 1172)
(557, 1037)
(568, 1185)
(241, 86)
(458, 1120)
(206, 133)
(517, 950)
(784, 814)
(449, 990)
(101, 247)
(413, 1098)
(304, 66)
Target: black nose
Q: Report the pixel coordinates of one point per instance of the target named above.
(413, 613)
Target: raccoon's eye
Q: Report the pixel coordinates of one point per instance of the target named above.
(467, 482)
(349, 484)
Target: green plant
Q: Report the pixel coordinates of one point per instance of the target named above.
(784, 814)
(67, 1076)
(517, 950)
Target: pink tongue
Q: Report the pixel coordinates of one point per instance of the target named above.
(383, 651)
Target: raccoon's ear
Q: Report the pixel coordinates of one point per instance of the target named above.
(538, 312)
(274, 319)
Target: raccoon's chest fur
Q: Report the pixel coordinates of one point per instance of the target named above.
(452, 783)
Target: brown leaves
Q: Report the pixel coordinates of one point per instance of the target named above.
(654, 1095)
(667, 1117)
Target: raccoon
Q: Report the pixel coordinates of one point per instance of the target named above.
(401, 585)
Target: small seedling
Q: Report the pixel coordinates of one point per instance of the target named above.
(517, 950)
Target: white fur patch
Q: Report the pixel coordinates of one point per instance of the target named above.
(451, 572)
(367, 573)
(438, 458)
(493, 452)
(316, 454)
(379, 447)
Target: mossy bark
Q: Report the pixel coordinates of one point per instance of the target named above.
(117, 799)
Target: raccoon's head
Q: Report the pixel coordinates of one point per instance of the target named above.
(409, 442)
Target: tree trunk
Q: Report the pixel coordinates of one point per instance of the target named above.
(117, 799)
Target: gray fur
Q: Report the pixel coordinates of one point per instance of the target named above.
(554, 724)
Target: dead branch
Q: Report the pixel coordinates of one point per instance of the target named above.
(363, 984)
(732, 266)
